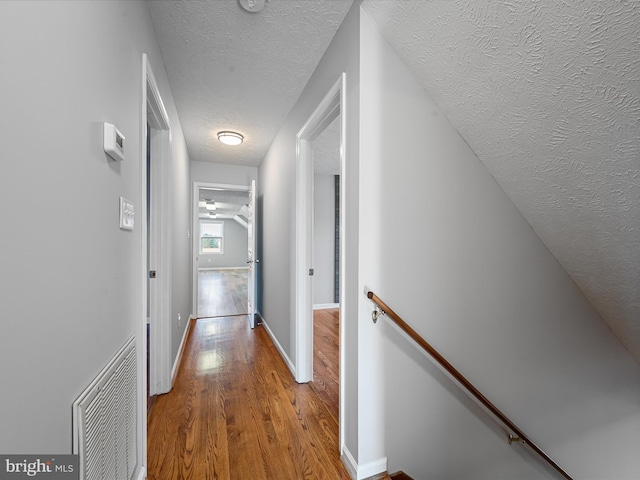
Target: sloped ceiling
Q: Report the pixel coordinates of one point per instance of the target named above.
(547, 93)
(234, 70)
(229, 203)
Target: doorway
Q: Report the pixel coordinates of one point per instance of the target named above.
(154, 357)
(324, 132)
(158, 278)
(326, 264)
(223, 259)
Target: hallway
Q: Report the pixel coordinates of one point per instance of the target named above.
(235, 412)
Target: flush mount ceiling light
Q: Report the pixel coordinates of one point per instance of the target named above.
(230, 138)
(252, 6)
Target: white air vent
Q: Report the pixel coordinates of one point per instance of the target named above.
(105, 419)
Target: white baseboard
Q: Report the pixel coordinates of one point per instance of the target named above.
(322, 306)
(372, 468)
(176, 363)
(349, 463)
(142, 474)
(283, 354)
(362, 472)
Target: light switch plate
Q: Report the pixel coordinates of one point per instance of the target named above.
(126, 214)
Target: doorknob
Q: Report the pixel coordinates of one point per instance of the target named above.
(249, 261)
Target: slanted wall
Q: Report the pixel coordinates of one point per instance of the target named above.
(442, 244)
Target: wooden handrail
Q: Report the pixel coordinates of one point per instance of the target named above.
(519, 434)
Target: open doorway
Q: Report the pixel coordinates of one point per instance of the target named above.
(319, 168)
(154, 362)
(156, 237)
(222, 250)
(326, 261)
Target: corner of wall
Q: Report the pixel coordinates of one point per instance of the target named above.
(362, 472)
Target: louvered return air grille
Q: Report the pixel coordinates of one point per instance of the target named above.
(105, 419)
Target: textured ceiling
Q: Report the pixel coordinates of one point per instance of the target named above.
(228, 202)
(547, 94)
(234, 70)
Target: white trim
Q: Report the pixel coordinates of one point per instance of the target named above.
(372, 468)
(349, 463)
(304, 256)
(343, 258)
(142, 334)
(283, 354)
(322, 116)
(365, 471)
(332, 104)
(324, 306)
(152, 111)
(161, 235)
(176, 363)
(142, 473)
(252, 254)
(222, 268)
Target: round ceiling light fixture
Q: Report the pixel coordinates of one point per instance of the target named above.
(230, 138)
(252, 6)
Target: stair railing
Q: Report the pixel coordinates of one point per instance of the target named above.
(516, 435)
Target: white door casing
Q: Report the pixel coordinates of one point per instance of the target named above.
(197, 186)
(252, 259)
(329, 108)
(158, 290)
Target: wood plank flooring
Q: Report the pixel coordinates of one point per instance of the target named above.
(236, 413)
(222, 292)
(326, 357)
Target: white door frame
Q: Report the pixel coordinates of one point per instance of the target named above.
(195, 228)
(332, 105)
(252, 255)
(154, 113)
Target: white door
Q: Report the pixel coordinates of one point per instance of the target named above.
(251, 255)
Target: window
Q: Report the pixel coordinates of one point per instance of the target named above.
(211, 236)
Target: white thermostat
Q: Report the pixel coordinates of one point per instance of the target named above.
(113, 142)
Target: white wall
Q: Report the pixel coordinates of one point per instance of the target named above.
(209, 172)
(324, 238)
(276, 194)
(234, 248)
(455, 258)
(71, 279)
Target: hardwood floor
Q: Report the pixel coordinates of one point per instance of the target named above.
(326, 357)
(222, 292)
(236, 413)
